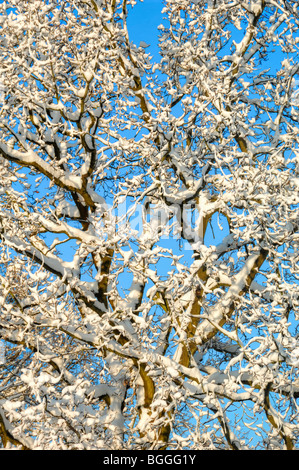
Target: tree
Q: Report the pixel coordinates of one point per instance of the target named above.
(149, 226)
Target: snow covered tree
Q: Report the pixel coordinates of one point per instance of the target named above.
(149, 214)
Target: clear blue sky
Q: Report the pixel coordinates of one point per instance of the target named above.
(143, 21)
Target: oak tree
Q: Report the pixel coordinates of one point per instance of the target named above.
(149, 226)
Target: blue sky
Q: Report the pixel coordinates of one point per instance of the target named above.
(143, 21)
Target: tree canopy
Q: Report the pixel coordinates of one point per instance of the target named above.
(149, 226)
